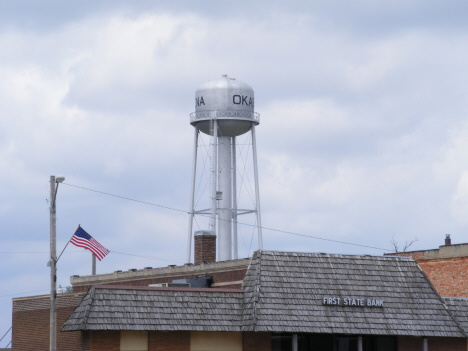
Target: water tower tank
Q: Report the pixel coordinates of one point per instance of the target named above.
(228, 100)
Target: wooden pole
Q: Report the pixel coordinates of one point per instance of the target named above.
(53, 271)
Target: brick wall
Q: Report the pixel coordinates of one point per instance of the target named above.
(105, 340)
(31, 320)
(174, 341)
(169, 341)
(205, 249)
(252, 341)
(411, 343)
(447, 275)
(444, 344)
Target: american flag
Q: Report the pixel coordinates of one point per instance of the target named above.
(83, 239)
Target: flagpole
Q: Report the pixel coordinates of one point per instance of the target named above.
(68, 242)
(93, 263)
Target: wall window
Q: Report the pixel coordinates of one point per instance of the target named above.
(215, 341)
(327, 342)
(281, 342)
(346, 343)
(133, 340)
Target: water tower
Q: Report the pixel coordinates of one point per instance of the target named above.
(224, 109)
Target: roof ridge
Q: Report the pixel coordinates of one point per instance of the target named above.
(441, 300)
(156, 288)
(258, 274)
(87, 308)
(309, 254)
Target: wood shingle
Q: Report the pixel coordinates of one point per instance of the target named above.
(284, 292)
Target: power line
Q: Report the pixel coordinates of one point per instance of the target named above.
(29, 252)
(5, 333)
(151, 257)
(80, 251)
(26, 292)
(125, 198)
(266, 228)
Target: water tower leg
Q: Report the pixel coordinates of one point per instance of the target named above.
(234, 198)
(257, 192)
(192, 196)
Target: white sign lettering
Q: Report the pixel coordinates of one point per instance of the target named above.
(350, 301)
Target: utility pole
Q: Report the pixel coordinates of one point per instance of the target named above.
(53, 270)
(54, 182)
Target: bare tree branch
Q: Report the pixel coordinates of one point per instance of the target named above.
(405, 246)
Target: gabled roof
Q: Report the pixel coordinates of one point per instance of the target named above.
(140, 308)
(459, 309)
(284, 292)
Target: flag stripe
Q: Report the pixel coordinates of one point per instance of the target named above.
(83, 239)
(87, 245)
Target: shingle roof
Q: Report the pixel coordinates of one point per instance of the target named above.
(137, 308)
(459, 309)
(284, 293)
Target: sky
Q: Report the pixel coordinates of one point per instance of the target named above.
(362, 138)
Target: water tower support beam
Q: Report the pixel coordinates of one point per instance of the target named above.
(234, 198)
(192, 196)
(225, 198)
(257, 192)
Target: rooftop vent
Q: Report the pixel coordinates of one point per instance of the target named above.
(199, 282)
(170, 285)
(448, 241)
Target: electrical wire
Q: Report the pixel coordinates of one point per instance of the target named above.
(26, 292)
(247, 224)
(154, 258)
(5, 333)
(84, 251)
(124, 197)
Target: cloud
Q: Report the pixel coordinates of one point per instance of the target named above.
(362, 135)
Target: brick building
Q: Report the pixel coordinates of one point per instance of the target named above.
(31, 314)
(287, 301)
(446, 267)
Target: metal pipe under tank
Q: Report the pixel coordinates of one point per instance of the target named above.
(225, 198)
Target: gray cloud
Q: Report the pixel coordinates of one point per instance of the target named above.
(362, 136)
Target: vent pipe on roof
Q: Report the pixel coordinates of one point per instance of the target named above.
(448, 241)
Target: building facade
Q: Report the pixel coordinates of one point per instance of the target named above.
(286, 301)
(446, 267)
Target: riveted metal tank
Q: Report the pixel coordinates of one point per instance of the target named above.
(230, 102)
